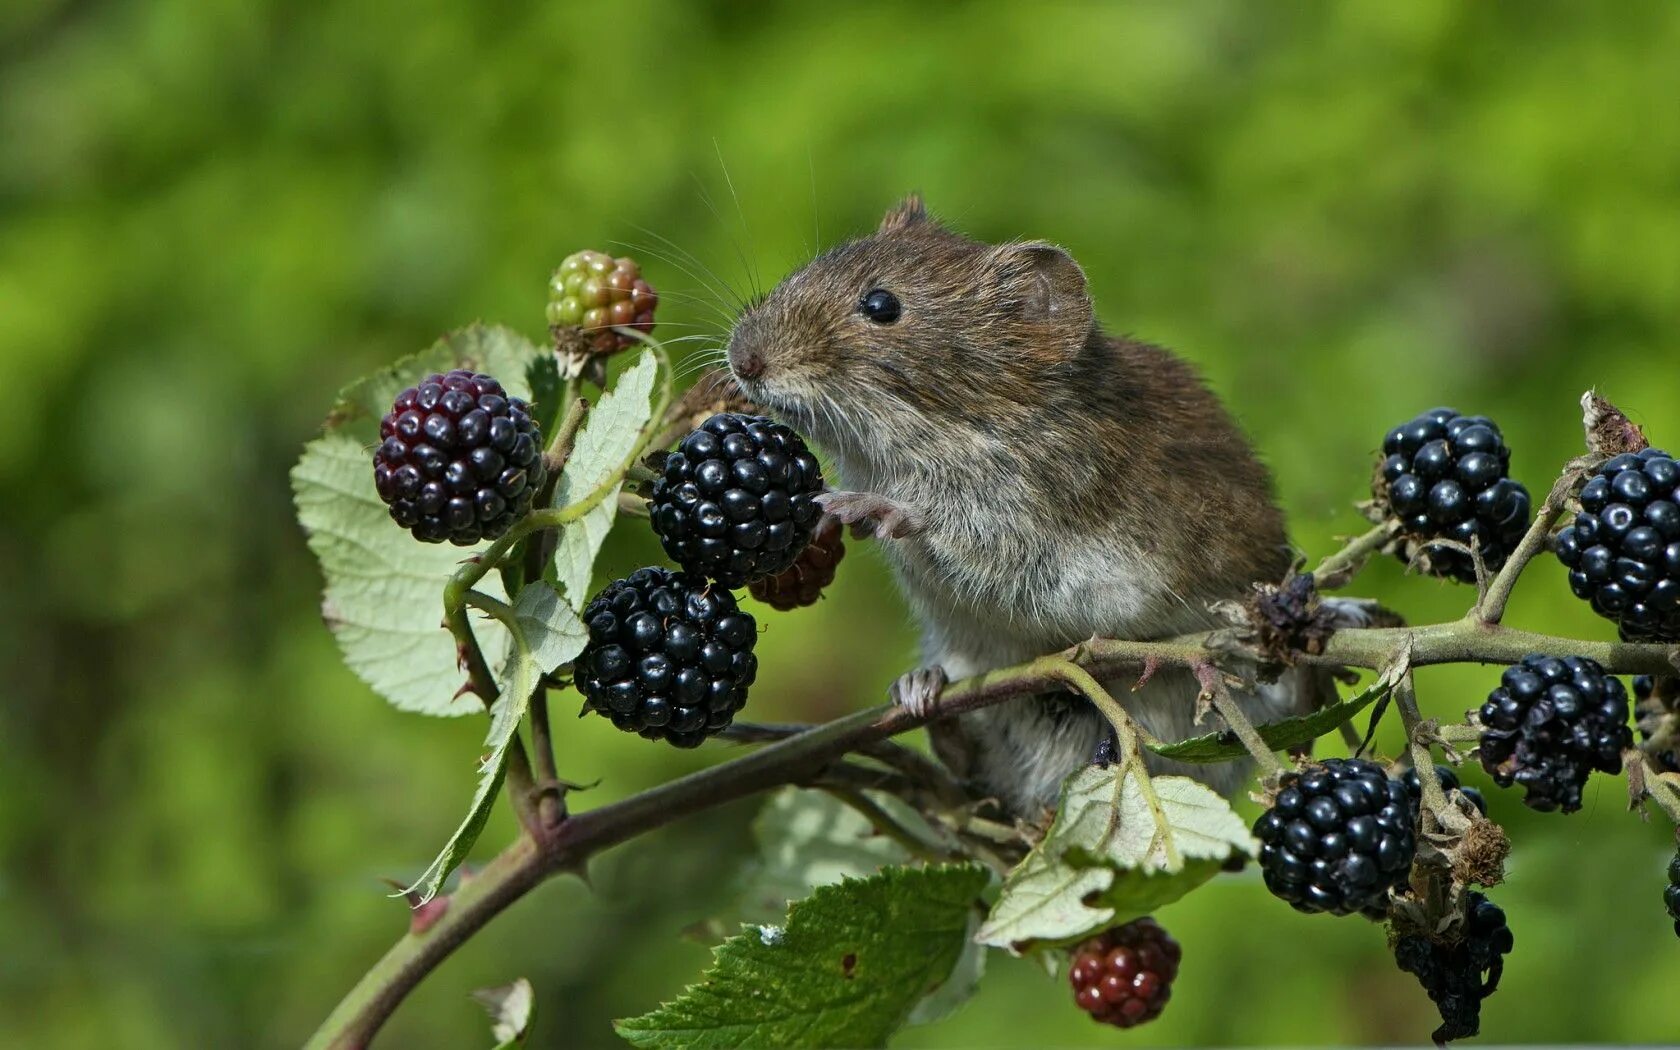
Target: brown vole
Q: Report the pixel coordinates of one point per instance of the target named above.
(1035, 481)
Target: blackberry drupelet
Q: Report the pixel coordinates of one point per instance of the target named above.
(1452, 973)
(1623, 549)
(1448, 779)
(1656, 710)
(1337, 837)
(458, 459)
(1124, 976)
(1550, 723)
(592, 292)
(736, 500)
(1446, 477)
(668, 657)
(803, 582)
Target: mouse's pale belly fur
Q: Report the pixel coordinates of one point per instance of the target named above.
(989, 595)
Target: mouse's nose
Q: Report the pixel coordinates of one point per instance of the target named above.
(747, 362)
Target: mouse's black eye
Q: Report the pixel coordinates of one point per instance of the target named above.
(880, 306)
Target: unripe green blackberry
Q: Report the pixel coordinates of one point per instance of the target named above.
(1124, 976)
(592, 292)
(669, 656)
(737, 499)
(458, 459)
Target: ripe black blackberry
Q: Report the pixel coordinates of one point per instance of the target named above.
(1124, 976)
(458, 459)
(1549, 724)
(1448, 779)
(1623, 549)
(668, 657)
(803, 582)
(1671, 893)
(1453, 973)
(736, 500)
(1337, 838)
(1656, 710)
(1446, 477)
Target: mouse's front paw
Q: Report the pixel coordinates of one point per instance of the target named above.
(918, 691)
(871, 514)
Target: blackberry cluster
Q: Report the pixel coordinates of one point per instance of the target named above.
(1671, 893)
(1446, 477)
(803, 582)
(1124, 976)
(668, 657)
(1549, 724)
(1623, 550)
(458, 459)
(1459, 976)
(1655, 703)
(1337, 838)
(591, 292)
(1449, 781)
(736, 500)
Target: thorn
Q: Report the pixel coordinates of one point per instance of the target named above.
(466, 687)
(1151, 664)
(422, 916)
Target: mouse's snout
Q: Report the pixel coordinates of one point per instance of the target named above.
(745, 359)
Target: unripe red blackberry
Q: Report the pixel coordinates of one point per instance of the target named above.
(669, 656)
(592, 292)
(458, 459)
(1453, 972)
(736, 500)
(1124, 976)
(1623, 550)
(1550, 724)
(803, 582)
(1446, 477)
(1337, 838)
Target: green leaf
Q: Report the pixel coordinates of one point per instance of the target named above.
(509, 1007)
(1122, 845)
(383, 599)
(847, 969)
(1280, 735)
(602, 450)
(548, 626)
(807, 839)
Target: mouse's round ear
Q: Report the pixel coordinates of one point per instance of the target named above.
(906, 213)
(1047, 288)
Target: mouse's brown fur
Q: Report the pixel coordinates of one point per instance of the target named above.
(1063, 483)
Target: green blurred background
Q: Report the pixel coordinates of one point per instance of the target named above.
(212, 214)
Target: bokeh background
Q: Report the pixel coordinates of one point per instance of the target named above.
(212, 214)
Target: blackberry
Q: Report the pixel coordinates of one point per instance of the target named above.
(591, 292)
(1656, 711)
(736, 500)
(1124, 976)
(802, 583)
(1671, 893)
(1446, 477)
(458, 459)
(1623, 549)
(1449, 782)
(1549, 724)
(1337, 838)
(1453, 973)
(668, 657)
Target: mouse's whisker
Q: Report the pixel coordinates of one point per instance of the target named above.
(716, 297)
(694, 266)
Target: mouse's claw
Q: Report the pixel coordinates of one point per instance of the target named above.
(871, 514)
(918, 691)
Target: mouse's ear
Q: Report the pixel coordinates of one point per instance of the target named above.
(905, 214)
(1048, 288)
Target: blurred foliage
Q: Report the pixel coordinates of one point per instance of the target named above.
(213, 213)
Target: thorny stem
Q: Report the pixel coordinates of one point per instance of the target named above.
(1214, 688)
(1339, 567)
(1491, 607)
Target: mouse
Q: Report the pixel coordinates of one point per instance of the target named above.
(1033, 481)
